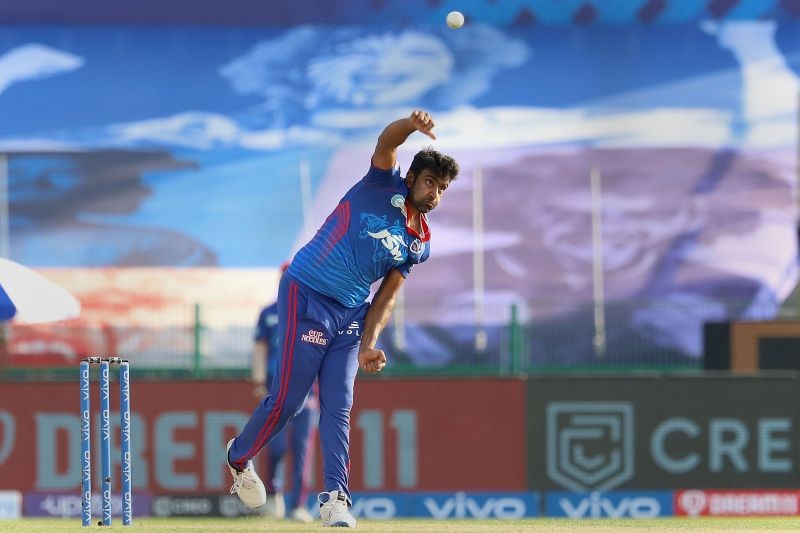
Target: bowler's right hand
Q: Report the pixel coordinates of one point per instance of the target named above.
(423, 122)
(371, 360)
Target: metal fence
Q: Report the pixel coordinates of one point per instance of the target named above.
(533, 337)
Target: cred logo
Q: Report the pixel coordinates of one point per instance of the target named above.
(589, 444)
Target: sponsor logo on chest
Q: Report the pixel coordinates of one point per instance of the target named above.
(393, 243)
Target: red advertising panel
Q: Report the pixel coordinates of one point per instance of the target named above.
(737, 502)
(425, 435)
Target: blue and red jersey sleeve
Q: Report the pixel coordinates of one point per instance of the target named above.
(378, 176)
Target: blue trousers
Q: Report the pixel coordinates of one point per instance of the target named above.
(319, 339)
(299, 434)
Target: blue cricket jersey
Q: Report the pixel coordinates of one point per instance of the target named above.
(267, 331)
(365, 237)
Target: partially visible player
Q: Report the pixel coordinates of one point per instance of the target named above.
(302, 429)
(379, 231)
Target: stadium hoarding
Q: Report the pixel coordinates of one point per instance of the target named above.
(654, 433)
(373, 505)
(446, 505)
(406, 435)
(199, 505)
(622, 504)
(68, 504)
(737, 502)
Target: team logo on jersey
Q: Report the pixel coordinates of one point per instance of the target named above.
(417, 247)
(389, 240)
(314, 337)
(399, 201)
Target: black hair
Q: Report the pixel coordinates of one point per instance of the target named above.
(442, 165)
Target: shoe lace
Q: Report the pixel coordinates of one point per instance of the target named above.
(243, 479)
(327, 503)
(330, 503)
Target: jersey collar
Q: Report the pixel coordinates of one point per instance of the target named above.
(423, 223)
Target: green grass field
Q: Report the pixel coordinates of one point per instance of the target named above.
(726, 525)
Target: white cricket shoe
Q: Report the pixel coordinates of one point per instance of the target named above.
(334, 511)
(301, 514)
(275, 506)
(246, 484)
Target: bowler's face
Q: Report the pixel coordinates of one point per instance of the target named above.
(426, 191)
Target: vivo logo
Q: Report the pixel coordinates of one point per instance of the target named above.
(87, 470)
(376, 508)
(595, 505)
(126, 424)
(463, 506)
(86, 509)
(85, 384)
(126, 472)
(85, 424)
(107, 503)
(105, 427)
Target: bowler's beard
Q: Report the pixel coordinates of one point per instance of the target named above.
(420, 206)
